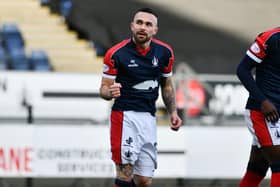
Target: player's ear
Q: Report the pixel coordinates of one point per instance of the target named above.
(131, 25)
(155, 30)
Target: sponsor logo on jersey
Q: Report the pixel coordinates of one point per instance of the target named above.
(155, 62)
(132, 63)
(255, 48)
(105, 67)
(146, 85)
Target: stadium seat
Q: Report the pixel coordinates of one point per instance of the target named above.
(18, 60)
(100, 49)
(39, 61)
(11, 37)
(44, 2)
(65, 7)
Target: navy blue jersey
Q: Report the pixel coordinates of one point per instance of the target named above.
(139, 72)
(266, 52)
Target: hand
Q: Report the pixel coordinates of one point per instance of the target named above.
(176, 121)
(115, 90)
(269, 111)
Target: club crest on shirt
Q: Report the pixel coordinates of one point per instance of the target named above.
(155, 62)
(132, 63)
(255, 48)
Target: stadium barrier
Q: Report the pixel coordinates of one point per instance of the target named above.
(74, 98)
(52, 97)
(65, 151)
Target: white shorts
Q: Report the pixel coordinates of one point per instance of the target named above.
(264, 133)
(134, 141)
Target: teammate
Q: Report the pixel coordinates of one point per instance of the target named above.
(133, 71)
(263, 106)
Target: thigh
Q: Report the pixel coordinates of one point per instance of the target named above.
(125, 146)
(147, 161)
(133, 141)
(147, 158)
(264, 133)
(272, 153)
(257, 156)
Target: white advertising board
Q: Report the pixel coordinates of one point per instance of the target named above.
(75, 151)
(52, 96)
(84, 151)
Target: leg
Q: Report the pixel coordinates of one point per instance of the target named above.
(124, 175)
(144, 167)
(256, 169)
(142, 181)
(266, 135)
(273, 155)
(123, 141)
(146, 164)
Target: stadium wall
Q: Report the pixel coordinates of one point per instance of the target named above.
(65, 151)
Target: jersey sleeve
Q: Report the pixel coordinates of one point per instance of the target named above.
(168, 65)
(109, 66)
(257, 51)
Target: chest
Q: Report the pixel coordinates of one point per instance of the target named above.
(136, 66)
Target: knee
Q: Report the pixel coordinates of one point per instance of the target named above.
(124, 172)
(142, 181)
(259, 168)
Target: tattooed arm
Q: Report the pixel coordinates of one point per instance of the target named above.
(168, 96)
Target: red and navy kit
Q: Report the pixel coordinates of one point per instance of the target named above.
(264, 55)
(139, 72)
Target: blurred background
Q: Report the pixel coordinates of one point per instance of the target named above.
(54, 128)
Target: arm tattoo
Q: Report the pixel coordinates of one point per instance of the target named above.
(168, 95)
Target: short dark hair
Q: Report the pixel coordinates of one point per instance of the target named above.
(147, 10)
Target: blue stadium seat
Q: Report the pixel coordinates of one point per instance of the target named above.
(65, 7)
(100, 49)
(44, 2)
(18, 60)
(39, 61)
(11, 37)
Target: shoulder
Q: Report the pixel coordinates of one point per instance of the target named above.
(116, 48)
(163, 45)
(269, 34)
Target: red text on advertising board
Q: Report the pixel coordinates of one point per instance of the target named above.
(15, 159)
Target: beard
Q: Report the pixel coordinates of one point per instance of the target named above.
(141, 38)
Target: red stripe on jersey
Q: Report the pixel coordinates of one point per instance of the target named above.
(261, 42)
(109, 62)
(143, 51)
(116, 135)
(167, 68)
(260, 127)
(165, 45)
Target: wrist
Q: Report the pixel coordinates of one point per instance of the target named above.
(173, 112)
